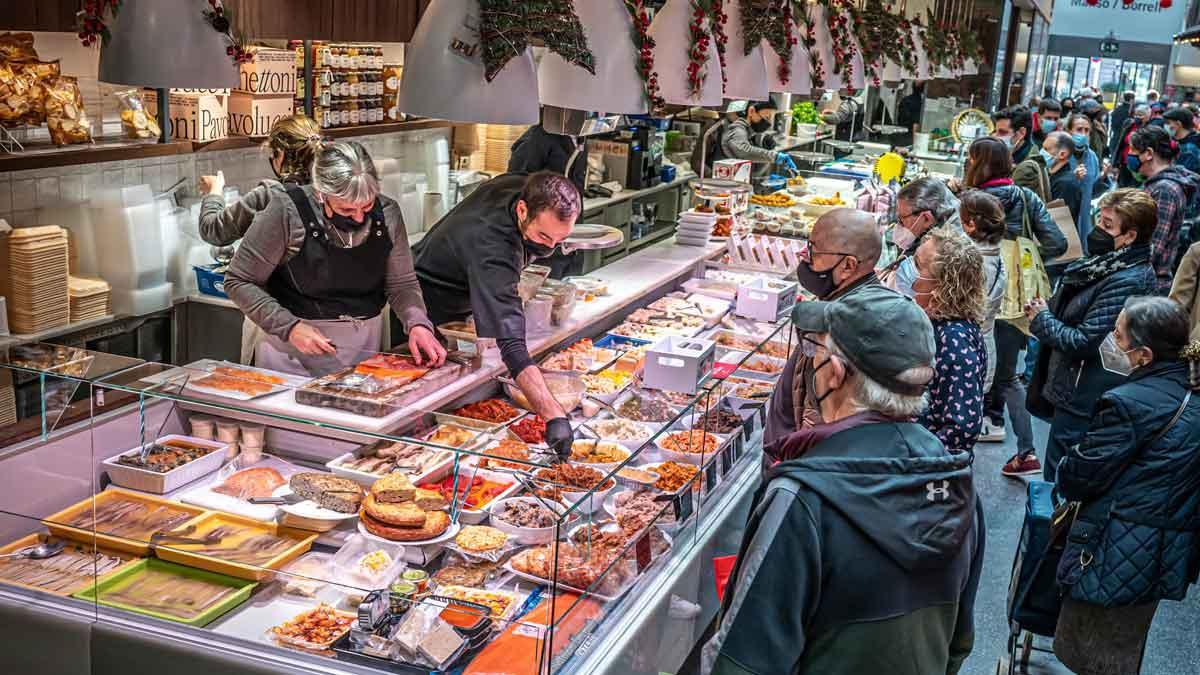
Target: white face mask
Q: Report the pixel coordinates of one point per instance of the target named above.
(1113, 358)
(902, 237)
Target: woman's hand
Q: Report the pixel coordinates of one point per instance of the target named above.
(213, 185)
(1034, 307)
(1081, 172)
(309, 340)
(423, 344)
(955, 185)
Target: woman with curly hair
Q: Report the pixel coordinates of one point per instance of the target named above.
(950, 288)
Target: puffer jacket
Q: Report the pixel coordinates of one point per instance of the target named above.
(1139, 516)
(1174, 189)
(1071, 330)
(1051, 242)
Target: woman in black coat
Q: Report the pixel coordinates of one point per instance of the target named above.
(1136, 475)
(989, 168)
(1069, 378)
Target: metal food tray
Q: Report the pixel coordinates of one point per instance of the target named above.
(317, 394)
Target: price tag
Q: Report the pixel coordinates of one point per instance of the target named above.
(642, 552)
(683, 505)
(723, 370)
(710, 476)
(727, 459)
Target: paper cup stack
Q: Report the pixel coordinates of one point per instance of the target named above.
(36, 283)
(695, 229)
(89, 298)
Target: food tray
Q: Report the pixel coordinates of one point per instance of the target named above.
(317, 393)
(184, 553)
(304, 645)
(450, 533)
(56, 523)
(203, 495)
(86, 580)
(130, 573)
(508, 567)
(666, 518)
(345, 563)
(748, 373)
(476, 516)
(771, 348)
(367, 479)
(307, 515)
(191, 377)
(693, 458)
(157, 483)
(472, 423)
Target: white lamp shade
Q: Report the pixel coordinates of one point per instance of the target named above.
(799, 78)
(616, 87)
(166, 44)
(891, 71)
(824, 47)
(440, 82)
(923, 71)
(672, 36)
(857, 78)
(745, 74)
(970, 67)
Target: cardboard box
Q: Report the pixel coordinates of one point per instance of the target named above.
(253, 115)
(200, 118)
(732, 169)
(272, 72)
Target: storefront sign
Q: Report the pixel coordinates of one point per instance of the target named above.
(1140, 21)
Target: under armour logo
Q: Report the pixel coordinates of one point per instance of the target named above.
(934, 492)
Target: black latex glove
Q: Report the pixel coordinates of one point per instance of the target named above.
(559, 436)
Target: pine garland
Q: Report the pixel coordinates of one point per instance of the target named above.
(840, 20)
(506, 26)
(816, 68)
(645, 48)
(770, 20)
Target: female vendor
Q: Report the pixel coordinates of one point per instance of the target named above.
(319, 263)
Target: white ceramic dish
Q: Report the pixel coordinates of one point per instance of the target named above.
(540, 581)
(450, 533)
(529, 536)
(633, 444)
(696, 459)
(158, 483)
(477, 516)
(308, 509)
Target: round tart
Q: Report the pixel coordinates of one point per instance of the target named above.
(480, 538)
(436, 523)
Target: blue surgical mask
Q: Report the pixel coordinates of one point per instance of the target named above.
(1080, 140)
(1133, 162)
(1047, 157)
(1049, 126)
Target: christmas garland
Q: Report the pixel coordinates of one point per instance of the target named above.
(938, 50)
(716, 23)
(93, 28)
(506, 26)
(699, 43)
(645, 47)
(816, 68)
(839, 19)
(771, 22)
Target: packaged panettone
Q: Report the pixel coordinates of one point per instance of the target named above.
(64, 112)
(35, 78)
(136, 122)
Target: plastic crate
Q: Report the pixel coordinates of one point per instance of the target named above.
(209, 281)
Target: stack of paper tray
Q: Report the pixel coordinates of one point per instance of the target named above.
(89, 298)
(695, 228)
(36, 278)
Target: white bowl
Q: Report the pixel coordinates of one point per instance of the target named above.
(694, 458)
(526, 535)
(633, 444)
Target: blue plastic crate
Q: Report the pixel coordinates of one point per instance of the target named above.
(209, 281)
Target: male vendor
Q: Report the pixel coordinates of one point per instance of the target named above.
(470, 262)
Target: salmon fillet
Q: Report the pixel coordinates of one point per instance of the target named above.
(251, 483)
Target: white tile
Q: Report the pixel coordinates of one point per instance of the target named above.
(72, 189)
(152, 176)
(23, 218)
(170, 174)
(204, 167)
(93, 182)
(24, 194)
(113, 178)
(48, 193)
(5, 195)
(131, 176)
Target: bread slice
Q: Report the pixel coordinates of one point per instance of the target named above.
(406, 514)
(393, 489)
(430, 500)
(328, 491)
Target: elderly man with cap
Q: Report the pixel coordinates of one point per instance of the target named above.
(839, 261)
(863, 550)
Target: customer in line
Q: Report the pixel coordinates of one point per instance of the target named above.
(1098, 133)
(1151, 155)
(950, 288)
(1121, 113)
(989, 168)
(1057, 151)
(1014, 127)
(1085, 164)
(921, 205)
(983, 221)
(1185, 290)
(1180, 125)
(1049, 112)
(862, 555)
(1069, 377)
(1138, 119)
(1135, 475)
(838, 262)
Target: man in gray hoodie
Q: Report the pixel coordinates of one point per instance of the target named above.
(864, 547)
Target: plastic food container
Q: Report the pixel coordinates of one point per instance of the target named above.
(157, 483)
(346, 569)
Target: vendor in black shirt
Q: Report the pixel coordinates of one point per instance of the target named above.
(471, 261)
(540, 150)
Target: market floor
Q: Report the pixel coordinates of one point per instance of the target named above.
(1174, 645)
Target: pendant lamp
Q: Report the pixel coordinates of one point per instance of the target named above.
(970, 67)
(800, 76)
(166, 44)
(745, 74)
(443, 72)
(857, 77)
(671, 30)
(616, 87)
(824, 47)
(923, 72)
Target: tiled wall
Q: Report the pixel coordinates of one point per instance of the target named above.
(22, 193)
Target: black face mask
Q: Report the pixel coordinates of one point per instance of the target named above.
(536, 251)
(761, 125)
(820, 284)
(346, 223)
(1100, 242)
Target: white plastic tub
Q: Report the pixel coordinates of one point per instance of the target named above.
(161, 483)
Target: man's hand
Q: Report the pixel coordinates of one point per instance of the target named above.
(213, 185)
(310, 341)
(1034, 307)
(422, 344)
(955, 185)
(560, 436)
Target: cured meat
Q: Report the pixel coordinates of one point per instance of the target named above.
(253, 483)
(390, 366)
(246, 374)
(238, 384)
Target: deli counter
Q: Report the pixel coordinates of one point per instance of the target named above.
(213, 517)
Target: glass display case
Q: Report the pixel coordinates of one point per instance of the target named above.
(386, 516)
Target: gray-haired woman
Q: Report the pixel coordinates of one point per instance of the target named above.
(315, 270)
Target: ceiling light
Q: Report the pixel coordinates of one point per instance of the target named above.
(164, 44)
(616, 87)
